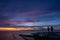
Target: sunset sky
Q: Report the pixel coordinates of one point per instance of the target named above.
(29, 12)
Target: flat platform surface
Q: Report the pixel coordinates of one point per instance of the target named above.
(7, 35)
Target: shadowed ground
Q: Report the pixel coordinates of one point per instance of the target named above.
(14, 35)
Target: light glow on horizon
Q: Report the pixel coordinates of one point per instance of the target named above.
(24, 28)
(16, 29)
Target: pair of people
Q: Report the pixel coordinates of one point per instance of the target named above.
(50, 29)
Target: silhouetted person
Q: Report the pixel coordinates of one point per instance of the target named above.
(51, 29)
(48, 29)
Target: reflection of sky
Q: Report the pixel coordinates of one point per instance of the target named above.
(29, 13)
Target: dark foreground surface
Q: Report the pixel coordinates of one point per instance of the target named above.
(16, 35)
(42, 36)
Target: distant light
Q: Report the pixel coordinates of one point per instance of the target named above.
(17, 29)
(12, 29)
(45, 27)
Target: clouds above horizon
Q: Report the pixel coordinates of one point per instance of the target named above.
(42, 11)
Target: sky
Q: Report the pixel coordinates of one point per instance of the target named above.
(29, 12)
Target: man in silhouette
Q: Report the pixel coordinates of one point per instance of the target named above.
(51, 29)
(48, 29)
